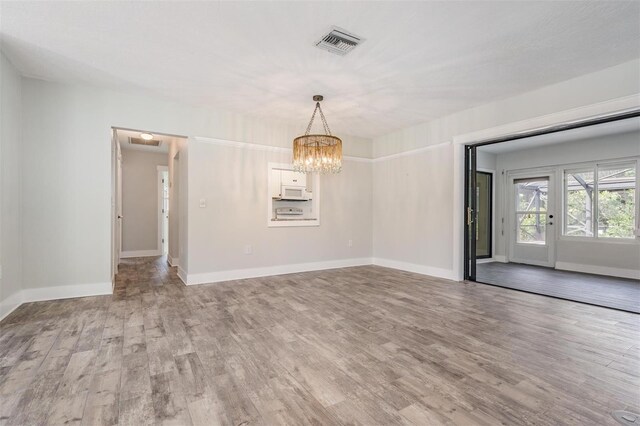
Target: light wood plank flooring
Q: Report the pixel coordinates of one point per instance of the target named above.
(365, 345)
(610, 292)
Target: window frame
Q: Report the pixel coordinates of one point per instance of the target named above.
(594, 166)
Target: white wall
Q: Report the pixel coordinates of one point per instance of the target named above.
(66, 217)
(10, 197)
(140, 201)
(234, 182)
(595, 253)
(418, 231)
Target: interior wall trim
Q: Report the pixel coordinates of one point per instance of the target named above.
(447, 274)
(42, 294)
(268, 148)
(173, 261)
(633, 274)
(239, 274)
(140, 253)
(10, 304)
(410, 152)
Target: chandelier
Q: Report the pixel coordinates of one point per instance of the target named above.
(317, 153)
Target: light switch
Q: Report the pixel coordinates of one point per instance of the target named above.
(203, 203)
(248, 249)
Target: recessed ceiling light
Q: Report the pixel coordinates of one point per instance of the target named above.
(146, 136)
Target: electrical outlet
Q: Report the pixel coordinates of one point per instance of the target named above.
(248, 249)
(350, 243)
(203, 203)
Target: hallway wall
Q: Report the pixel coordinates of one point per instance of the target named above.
(140, 202)
(10, 194)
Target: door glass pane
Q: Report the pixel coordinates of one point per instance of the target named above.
(531, 210)
(616, 201)
(578, 212)
(483, 214)
(531, 228)
(532, 194)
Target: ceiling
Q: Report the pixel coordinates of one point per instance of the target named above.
(123, 136)
(420, 60)
(599, 130)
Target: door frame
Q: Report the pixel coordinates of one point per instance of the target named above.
(551, 237)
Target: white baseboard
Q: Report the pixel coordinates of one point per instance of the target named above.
(418, 269)
(238, 274)
(66, 291)
(53, 293)
(173, 261)
(487, 260)
(140, 253)
(10, 304)
(502, 259)
(182, 274)
(599, 270)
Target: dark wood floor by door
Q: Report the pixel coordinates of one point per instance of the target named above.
(611, 292)
(364, 346)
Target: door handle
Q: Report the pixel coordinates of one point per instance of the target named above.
(120, 217)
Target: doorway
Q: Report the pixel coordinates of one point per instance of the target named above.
(145, 206)
(567, 220)
(531, 212)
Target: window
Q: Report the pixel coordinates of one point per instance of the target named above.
(531, 210)
(579, 198)
(616, 201)
(600, 201)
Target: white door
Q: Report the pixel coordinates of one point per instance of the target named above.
(116, 203)
(532, 218)
(118, 245)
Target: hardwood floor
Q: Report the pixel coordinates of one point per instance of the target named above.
(611, 292)
(363, 345)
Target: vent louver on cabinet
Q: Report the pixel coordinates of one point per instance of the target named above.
(140, 141)
(339, 41)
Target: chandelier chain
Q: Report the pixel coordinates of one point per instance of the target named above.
(324, 120)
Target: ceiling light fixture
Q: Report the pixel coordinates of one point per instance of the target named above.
(315, 152)
(146, 136)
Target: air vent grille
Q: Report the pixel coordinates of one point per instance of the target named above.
(339, 41)
(140, 141)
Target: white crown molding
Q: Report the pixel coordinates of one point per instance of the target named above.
(238, 274)
(140, 253)
(431, 271)
(268, 148)
(633, 274)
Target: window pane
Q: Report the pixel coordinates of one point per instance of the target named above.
(531, 195)
(578, 214)
(616, 201)
(531, 228)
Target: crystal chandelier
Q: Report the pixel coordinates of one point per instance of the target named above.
(317, 153)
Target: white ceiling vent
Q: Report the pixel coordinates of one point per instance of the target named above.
(339, 41)
(140, 141)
